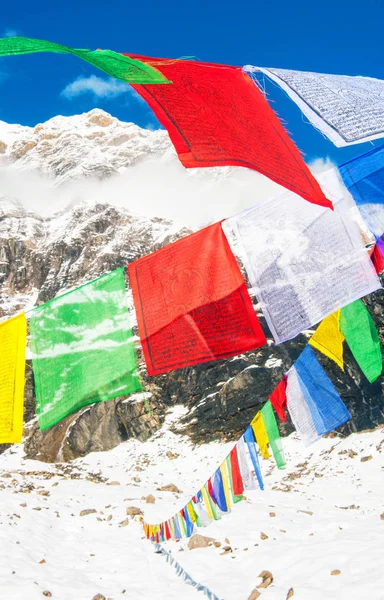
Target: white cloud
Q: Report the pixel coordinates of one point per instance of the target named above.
(97, 86)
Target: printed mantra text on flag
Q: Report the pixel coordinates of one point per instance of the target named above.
(216, 116)
(192, 303)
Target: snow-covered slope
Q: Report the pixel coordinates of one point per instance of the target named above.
(319, 516)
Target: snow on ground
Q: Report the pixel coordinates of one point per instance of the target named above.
(321, 514)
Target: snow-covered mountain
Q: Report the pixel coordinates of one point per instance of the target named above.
(61, 225)
(93, 144)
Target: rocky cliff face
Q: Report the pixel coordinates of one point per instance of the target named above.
(41, 257)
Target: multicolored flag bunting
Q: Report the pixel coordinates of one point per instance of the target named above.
(328, 339)
(303, 262)
(115, 64)
(192, 303)
(327, 408)
(13, 336)
(348, 110)
(362, 338)
(216, 116)
(83, 349)
(364, 178)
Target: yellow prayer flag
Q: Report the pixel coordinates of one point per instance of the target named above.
(329, 339)
(13, 337)
(172, 527)
(225, 478)
(191, 512)
(207, 503)
(260, 434)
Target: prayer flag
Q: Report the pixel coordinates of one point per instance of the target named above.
(192, 303)
(377, 256)
(218, 488)
(226, 483)
(13, 335)
(364, 178)
(83, 350)
(362, 338)
(303, 262)
(278, 398)
(347, 109)
(327, 408)
(115, 64)
(168, 534)
(182, 524)
(248, 476)
(192, 512)
(251, 444)
(216, 116)
(261, 436)
(237, 481)
(298, 409)
(188, 522)
(209, 504)
(328, 339)
(273, 434)
(176, 524)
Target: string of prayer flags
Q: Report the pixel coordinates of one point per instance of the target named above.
(362, 338)
(348, 110)
(115, 64)
(364, 178)
(216, 116)
(273, 434)
(260, 433)
(303, 262)
(278, 398)
(327, 408)
(13, 337)
(192, 303)
(328, 339)
(82, 348)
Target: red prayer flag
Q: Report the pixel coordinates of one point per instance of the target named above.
(210, 490)
(278, 398)
(377, 259)
(192, 303)
(216, 116)
(237, 480)
(168, 534)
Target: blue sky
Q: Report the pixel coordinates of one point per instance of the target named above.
(332, 36)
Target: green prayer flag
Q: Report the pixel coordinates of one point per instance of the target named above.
(272, 430)
(82, 349)
(235, 499)
(361, 335)
(113, 63)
